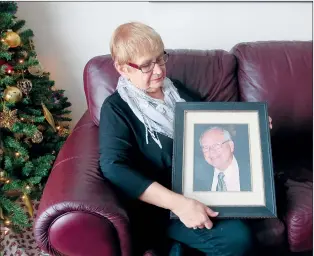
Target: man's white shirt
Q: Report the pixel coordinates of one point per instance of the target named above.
(231, 178)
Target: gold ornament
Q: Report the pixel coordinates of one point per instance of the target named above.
(37, 137)
(8, 118)
(28, 203)
(25, 86)
(12, 94)
(1, 214)
(12, 39)
(2, 176)
(49, 117)
(36, 70)
(63, 132)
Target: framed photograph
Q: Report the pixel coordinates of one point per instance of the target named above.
(222, 158)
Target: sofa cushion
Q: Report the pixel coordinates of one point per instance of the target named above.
(211, 74)
(281, 74)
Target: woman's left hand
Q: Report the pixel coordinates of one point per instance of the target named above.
(270, 122)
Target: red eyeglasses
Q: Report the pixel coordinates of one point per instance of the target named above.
(150, 66)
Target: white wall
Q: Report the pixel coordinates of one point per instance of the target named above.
(68, 34)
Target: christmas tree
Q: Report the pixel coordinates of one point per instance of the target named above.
(34, 121)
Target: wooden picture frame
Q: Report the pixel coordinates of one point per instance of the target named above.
(222, 158)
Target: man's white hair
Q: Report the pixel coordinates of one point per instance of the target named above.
(227, 135)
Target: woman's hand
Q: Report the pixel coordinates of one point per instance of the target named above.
(270, 122)
(194, 214)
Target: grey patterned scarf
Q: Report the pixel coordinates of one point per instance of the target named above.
(156, 115)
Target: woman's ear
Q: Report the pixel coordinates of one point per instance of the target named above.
(122, 69)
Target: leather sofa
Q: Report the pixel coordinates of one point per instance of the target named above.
(80, 213)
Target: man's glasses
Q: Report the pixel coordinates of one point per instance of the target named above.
(216, 147)
(150, 66)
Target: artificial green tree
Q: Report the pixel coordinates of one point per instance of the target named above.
(34, 121)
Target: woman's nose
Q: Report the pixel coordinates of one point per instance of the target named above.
(157, 69)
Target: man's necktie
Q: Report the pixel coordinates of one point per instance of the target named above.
(221, 185)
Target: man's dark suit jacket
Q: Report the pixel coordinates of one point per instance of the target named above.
(204, 174)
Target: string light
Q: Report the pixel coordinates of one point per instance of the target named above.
(7, 222)
(7, 181)
(17, 154)
(58, 127)
(21, 61)
(28, 187)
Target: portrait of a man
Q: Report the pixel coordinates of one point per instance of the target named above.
(221, 161)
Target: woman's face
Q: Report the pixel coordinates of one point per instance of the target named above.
(146, 72)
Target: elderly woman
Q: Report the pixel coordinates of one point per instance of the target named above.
(136, 141)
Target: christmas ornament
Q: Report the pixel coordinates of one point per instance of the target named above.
(28, 204)
(12, 39)
(63, 132)
(8, 69)
(37, 137)
(53, 88)
(49, 117)
(12, 94)
(8, 118)
(2, 176)
(1, 214)
(25, 86)
(36, 70)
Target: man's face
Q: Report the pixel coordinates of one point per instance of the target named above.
(216, 150)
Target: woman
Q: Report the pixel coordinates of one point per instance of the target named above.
(136, 140)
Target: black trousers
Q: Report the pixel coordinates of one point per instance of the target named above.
(226, 238)
(152, 228)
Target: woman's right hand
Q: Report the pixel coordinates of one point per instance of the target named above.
(193, 213)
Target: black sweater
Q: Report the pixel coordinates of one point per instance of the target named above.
(125, 158)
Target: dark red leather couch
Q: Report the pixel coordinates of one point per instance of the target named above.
(80, 214)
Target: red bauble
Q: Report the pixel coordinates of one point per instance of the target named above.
(9, 68)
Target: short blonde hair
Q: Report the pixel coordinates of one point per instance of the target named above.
(132, 40)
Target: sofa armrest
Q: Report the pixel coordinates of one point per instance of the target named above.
(79, 214)
(299, 215)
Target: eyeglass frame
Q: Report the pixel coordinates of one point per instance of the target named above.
(216, 144)
(154, 62)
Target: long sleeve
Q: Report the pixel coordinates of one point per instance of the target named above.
(118, 152)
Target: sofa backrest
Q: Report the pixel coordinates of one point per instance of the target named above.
(281, 74)
(210, 74)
